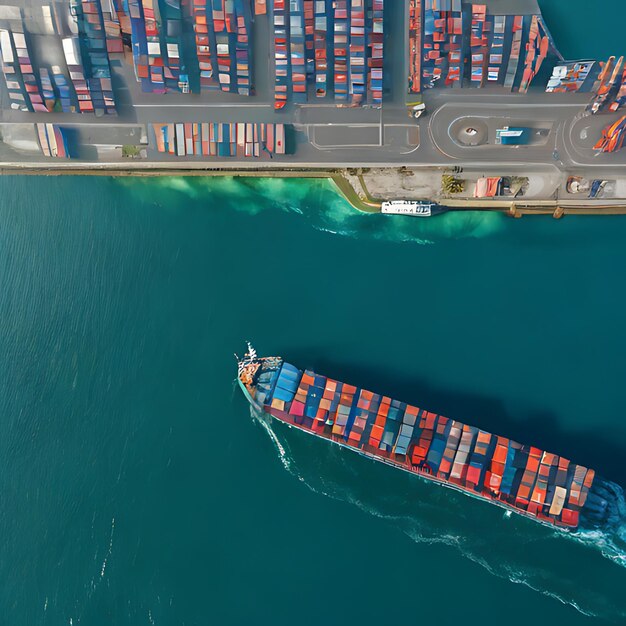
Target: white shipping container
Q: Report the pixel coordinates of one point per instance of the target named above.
(70, 49)
(48, 22)
(154, 48)
(180, 140)
(6, 47)
(19, 39)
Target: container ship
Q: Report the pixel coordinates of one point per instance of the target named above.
(520, 478)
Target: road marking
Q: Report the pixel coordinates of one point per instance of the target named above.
(203, 106)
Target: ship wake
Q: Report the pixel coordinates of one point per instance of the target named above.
(553, 563)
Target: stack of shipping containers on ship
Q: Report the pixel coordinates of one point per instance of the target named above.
(93, 42)
(220, 139)
(526, 479)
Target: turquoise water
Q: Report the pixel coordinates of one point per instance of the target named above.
(584, 29)
(136, 487)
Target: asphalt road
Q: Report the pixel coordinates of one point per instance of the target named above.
(331, 136)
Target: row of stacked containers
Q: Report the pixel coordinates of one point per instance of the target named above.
(330, 49)
(92, 37)
(323, 46)
(154, 29)
(462, 44)
(220, 139)
(457, 44)
(83, 85)
(156, 45)
(538, 483)
(52, 140)
(222, 38)
(23, 88)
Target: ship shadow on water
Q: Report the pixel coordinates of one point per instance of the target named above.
(523, 551)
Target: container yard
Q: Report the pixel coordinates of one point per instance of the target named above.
(321, 51)
(498, 50)
(359, 82)
(540, 485)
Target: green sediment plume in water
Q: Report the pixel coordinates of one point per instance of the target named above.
(322, 205)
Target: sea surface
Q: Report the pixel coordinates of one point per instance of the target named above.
(136, 488)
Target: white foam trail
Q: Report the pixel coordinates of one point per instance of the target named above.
(603, 542)
(282, 453)
(108, 554)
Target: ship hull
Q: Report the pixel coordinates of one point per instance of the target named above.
(284, 419)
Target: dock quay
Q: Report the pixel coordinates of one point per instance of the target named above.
(351, 185)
